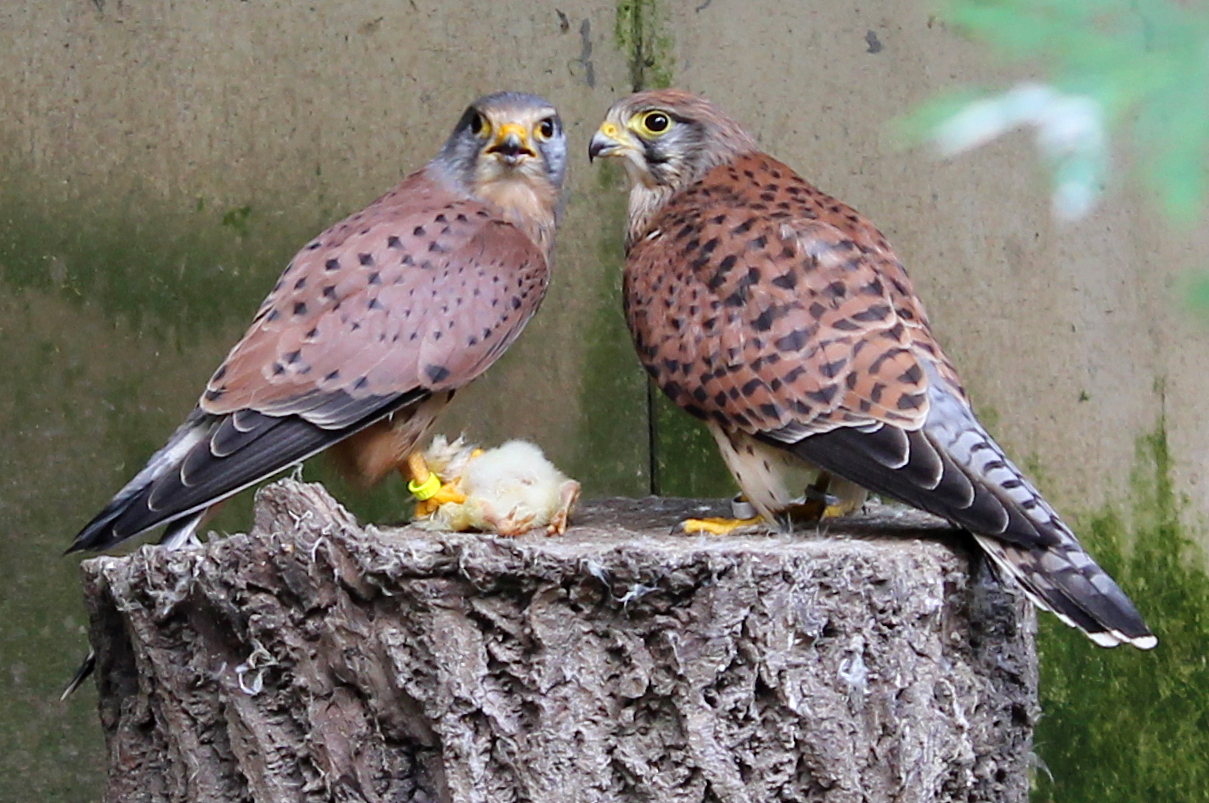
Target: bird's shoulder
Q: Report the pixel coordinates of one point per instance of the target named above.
(750, 203)
(754, 222)
(418, 222)
(765, 265)
(378, 290)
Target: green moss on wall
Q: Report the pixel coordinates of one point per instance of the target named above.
(154, 263)
(613, 441)
(684, 460)
(1124, 726)
(688, 460)
(115, 308)
(642, 33)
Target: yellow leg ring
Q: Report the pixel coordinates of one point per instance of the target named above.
(425, 490)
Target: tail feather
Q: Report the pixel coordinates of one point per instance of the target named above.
(83, 672)
(981, 490)
(1059, 598)
(100, 532)
(209, 458)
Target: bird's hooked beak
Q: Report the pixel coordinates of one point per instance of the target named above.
(610, 141)
(511, 144)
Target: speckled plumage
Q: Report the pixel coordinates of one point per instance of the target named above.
(783, 319)
(373, 325)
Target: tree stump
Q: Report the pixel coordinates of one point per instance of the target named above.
(318, 660)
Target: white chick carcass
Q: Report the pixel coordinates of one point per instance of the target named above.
(510, 489)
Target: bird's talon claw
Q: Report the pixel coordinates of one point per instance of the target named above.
(717, 526)
(449, 492)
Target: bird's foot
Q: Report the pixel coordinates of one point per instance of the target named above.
(820, 504)
(445, 494)
(449, 492)
(430, 491)
(512, 525)
(718, 526)
(568, 495)
(831, 508)
(810, 511)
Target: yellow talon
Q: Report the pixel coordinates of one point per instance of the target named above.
(427, 488)
(450, 492)
(445, 494)
(717, 526)
(821, 504)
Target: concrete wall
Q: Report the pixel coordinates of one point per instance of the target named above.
(160, 162)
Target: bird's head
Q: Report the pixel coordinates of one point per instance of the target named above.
(668, 138)
(509, 137)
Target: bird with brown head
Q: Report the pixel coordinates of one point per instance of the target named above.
(783, 319)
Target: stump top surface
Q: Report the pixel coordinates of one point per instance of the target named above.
(599, 526)
(651, 524)
(659, 517)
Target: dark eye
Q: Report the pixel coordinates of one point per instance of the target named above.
(477, 124)
(656, 122)
(545, 128)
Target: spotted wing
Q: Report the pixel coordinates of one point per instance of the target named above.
(761, 304)
(416, 295)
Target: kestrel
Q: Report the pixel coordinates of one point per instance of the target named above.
(783, 319)
(372, 327)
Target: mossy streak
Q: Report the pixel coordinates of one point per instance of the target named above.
(181, 266)
(685, 461)
(1122, 726)
(642, 34)
(613, 444)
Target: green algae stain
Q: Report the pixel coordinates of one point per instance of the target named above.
(633, 439)
(1122, 725)
(685, 460)
(114, 310)
(237, 219)
(179, 268)
(688, 462)
(989, 417)
(613, 439)
(642, 33)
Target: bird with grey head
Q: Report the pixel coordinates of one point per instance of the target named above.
(510, 149)
(372, 327)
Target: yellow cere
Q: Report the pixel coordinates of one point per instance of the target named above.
(512, 128)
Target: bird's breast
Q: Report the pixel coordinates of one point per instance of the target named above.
(529, 206)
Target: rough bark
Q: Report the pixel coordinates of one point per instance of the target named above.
(317, 660)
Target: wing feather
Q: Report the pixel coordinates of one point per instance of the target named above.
(423, 289)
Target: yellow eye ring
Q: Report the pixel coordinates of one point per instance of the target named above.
(655, 123)
(546, 128)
